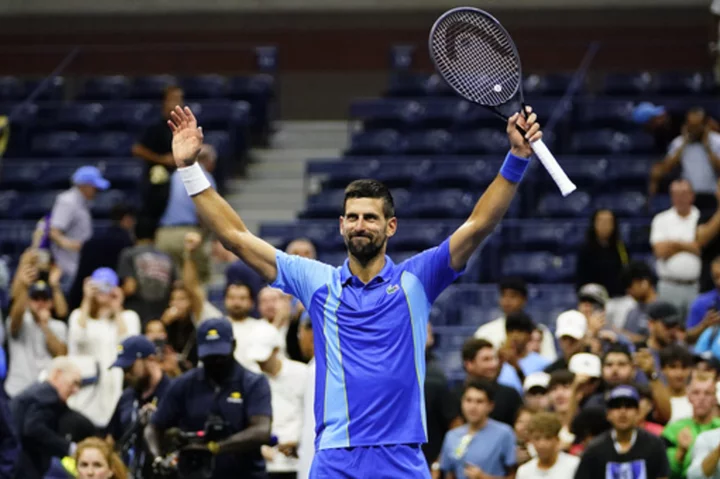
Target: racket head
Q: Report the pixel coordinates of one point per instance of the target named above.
(477, 58)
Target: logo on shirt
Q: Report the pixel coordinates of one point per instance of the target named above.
(392, 289)
(212, 335)
(626, 470)
(235, 398)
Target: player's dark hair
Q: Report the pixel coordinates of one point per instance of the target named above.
(676, 353)
(560, 377)
(513, 283)
(371, 189)
(145, 228)
(617, 348)
(481, 385)
(519, 321)
(636, 271)
(239, 284)
(474, 345)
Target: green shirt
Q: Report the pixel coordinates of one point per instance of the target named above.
(670, 434)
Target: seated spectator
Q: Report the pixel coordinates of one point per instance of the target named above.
(550, 461)
(304, 248)
(704, 312)
(681, 434)
(236, 271)
(535, 388)
(96, 459)
(676, 363)
(37, 412)
(603, 256)
(156, 333)
(34, 336)
(95, 331)
(147, 274)
(513, 299)
(625, 449)
(483, 445)
(628, 315)
(673, 240)
(480, 361)
(517, 361)
(180, 218)
(103, 249)
(536, 340)
(71, 222)
(570, 331)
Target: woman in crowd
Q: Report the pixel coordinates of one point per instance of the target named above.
(95, 459)
(96, 330)
(603, 254)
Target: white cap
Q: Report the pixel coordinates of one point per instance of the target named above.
(264, 339)
(538, 379)
(587, 364)
(571, 323)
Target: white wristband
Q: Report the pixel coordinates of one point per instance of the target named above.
(194, 179)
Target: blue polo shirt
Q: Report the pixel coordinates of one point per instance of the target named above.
(192, 397)
(369, 345)
(492, 449)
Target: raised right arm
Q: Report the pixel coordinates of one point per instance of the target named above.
(214, 211)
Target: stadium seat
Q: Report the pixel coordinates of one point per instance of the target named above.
(407, 85)
(221, 141)
(636, 235)
(471, 116)
(78, 116)
(578, 204)
(45, 89)
(126, 173)
(630, 172)
(436, 86)
(626, 204)
(555, 236)
(339, 174)
(21, 174)
(539, 267)
(426, 142)
(418, 236)
(151, 87)
(11, 89)
(105, 200)
(249, 88)
(611, 141)
(552, 84)
(468, 175)
(631, 84)
(58, 144)
(375, 142)
(8, 204)
(606, 113)
(379, 113)
(128, 116)
(399, 174)
(103, 88)
(57, 175)
(449, 203)
(682, 83)
(589, 174)
(115, 144)
(659, 203)
(221, 114)
(36, 205)
(203, 87)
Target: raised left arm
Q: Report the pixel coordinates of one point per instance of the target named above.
(494, 203)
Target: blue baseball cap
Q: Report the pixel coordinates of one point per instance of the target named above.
(646, 111)
(106, 279)
(622, 394)
(132, 349)
(90, 175)
(215, 338)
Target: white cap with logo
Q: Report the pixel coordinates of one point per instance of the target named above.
(571, 323)
(587, 364)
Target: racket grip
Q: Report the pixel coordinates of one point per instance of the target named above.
(553, 167)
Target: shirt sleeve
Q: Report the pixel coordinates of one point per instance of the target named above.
(76, 335)
(125, 267)
(170, 409)
(584, 469)
(675, 145)
(446, 461)
(657, 232)
(432, 267)
(258, 398)
(62, 214)
(697, 312)
(703, 344)
(301, 277)
(702, 447)
(509, 458)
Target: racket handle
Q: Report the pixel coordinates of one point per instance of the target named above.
(553, 167)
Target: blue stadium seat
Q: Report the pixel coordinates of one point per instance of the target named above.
(441, 204)
(128, 116)
(426, 142)
(57, 175)
(326, 204)
(11, 89)
(626, 204)
(407, 85)
(433, 113)
(552, 296)
(436, 86)
(606, 112)
(52, 90)
(252, 87)
(151, 87)
(220, 140)
(629, 173)
(495, 140)
(105, 200)
(470, 143)
(554, 205)
(126, 173)
(471, 116)
(631, 84)
(611, 141)
(105, 144)
(636, 235)
(379, 113)
(58, 144)
(417, 236)
(375, 142)
(339, 174)
(400, 174)
(659, 203)
(556, 236)
(552, 84)
(221, 114)
(21, 174)
(203, 87)
(589, 174)
(8, 204)
(78, 116)
(467, 175)
(36, 205)
(682, 83)
(114, 87)
(23, 114)
(539, 267)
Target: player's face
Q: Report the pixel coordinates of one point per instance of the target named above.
(617, 369)
(93, 465)
(238, 302)
(365, 228)
(475, 406)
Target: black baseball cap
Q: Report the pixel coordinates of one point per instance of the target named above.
(665, 312)
(215, 338)
(40, 290)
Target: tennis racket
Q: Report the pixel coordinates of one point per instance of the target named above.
(475, 55)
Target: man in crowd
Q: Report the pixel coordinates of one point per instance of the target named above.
(518, 362)
(238, 305)
(706, 456)
(535, 388)
(9, 441)
(627, 315)
(570, 331)
(677, 363)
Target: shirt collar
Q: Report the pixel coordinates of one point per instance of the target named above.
(346, 275)
(616, 444)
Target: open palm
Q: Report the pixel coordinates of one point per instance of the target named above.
(187, 137)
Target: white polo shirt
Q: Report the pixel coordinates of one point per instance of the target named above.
(670, 226)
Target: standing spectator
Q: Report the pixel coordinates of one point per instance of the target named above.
(708, 237)
(238, 304)
(103, 249)
(483, 446)
(147, 274)
(96, 330)
(603, 255)
(681, 434)
(661, 124)
(155, 148)
(523, 450)
(36, 413)
(275, 307)
(672, 236)
(71, 222)
(513, 299)
(628, 315)
(560, 391)
(570, 330)
(480, 361)
(625, 451)
(287, 380)
(664, 322)
(34, 336)
(306, 449)
(180, 218)
(551, 462)
(30, 269)
(304, 248)
(705, 309)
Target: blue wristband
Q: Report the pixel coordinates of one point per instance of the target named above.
(514, 167)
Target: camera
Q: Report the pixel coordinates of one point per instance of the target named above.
(191, 463)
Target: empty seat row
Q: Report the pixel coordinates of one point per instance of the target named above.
(18, 205)
(31, 174)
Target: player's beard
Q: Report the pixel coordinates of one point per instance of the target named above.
(366, 251)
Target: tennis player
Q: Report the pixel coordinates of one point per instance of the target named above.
(369, 316)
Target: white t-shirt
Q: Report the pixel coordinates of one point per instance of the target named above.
(564, 468)
(696, 166)
(670, 226)
(681, 408)
(243, 333)
(306, 450)
(99, 341)
(617, 309)
(287, 390)
(28, 352)
(494, 331)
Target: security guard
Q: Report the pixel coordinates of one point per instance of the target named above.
(220, 388)
(138, 358)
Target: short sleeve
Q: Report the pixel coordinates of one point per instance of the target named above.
(125, 266)
(432, 267)
(258, 399)
(703, 343)
(697, 312)
(675, 145)
(170, 409)
(62, 213)
(657, 232)
(509, 451)
(132, 323)
(446, 462)
(702, 447)
(301, 277)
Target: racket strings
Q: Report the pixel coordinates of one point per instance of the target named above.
(476, 57)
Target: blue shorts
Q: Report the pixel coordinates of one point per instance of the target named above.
(399, 461)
